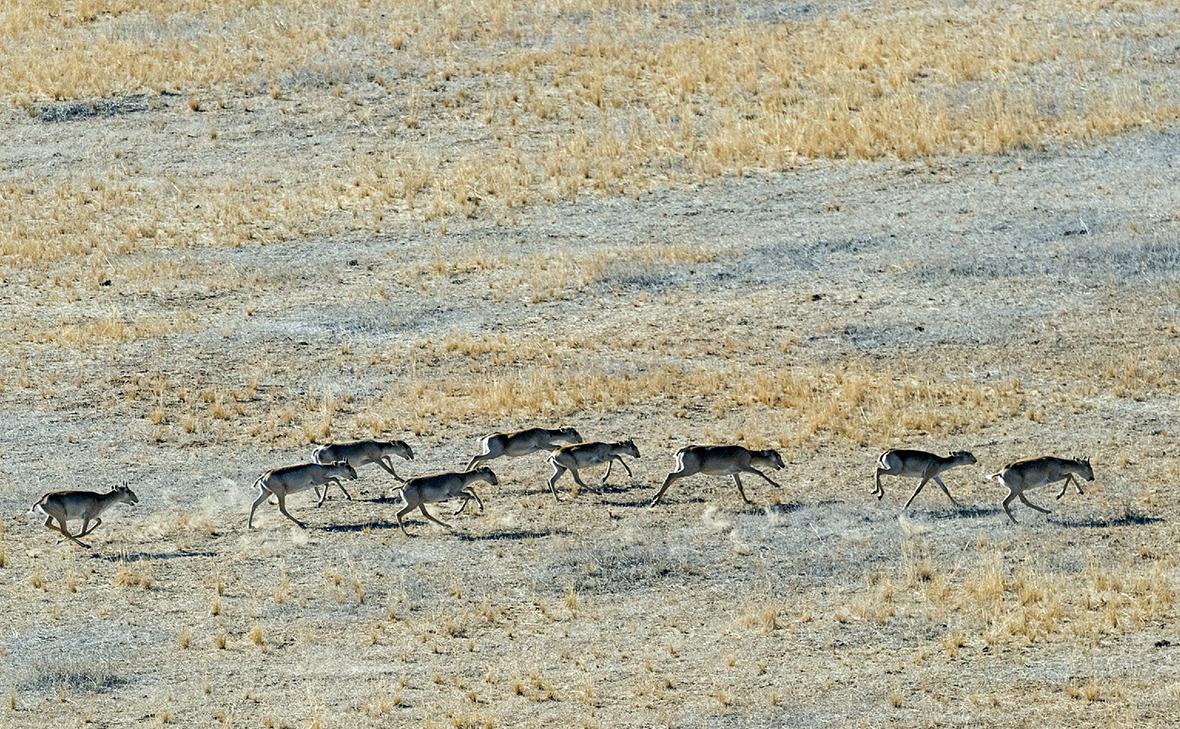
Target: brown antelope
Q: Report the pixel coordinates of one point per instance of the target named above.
(918, 464)
(721, 461)
(1030, 473)
(521, 443)
(282, 482)
(422, 490)
(64, 506)
(582, 455)
(360, 452)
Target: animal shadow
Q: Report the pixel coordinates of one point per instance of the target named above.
(627, 503)
(505, 534)
(1128, 519)
(970, 512)
(619, 488)
(596, 491)
(344, 528)
(383, 500)
(783, 508)
(153, 556)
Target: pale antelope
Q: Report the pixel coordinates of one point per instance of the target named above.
(282, 482)
(721, 461)
(422, 490)
(360, 452)
(582, 455)
(64, 506)
(918, 464)
(1030, 473)
(521, 443)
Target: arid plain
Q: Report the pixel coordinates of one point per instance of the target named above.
(230, 231)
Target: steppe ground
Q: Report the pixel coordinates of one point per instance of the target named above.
(232, 230)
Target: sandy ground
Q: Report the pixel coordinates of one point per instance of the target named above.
(821, 608)
(1013, 305)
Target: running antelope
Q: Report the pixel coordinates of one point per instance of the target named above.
(64, 506)
(422, 490)
(521, 443)
(721, 461)
(1030, 473)
(282, 482)
(582, 455)
(918, 464)
(360, 452)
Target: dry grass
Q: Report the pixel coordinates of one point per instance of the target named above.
(127, 577)
(1002, 605)
(357, 219)
(803, 405)
(620, 100)
(113, 328)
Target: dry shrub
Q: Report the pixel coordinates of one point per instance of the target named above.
(1002, 605)
(127, 577)
(113, 328)
(763, 615)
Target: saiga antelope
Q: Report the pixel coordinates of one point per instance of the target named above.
(521, 443)
(582, 455)
(422, 490)
(918, 464)
(360, 452)
(1030, 473)
(64, 506)
(729, 460)
(287, 480)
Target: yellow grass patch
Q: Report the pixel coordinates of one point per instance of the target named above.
(604, 98)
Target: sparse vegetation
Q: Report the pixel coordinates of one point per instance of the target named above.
(830, 228)
(648, 101)
(127, 577)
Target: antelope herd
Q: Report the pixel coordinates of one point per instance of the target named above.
(567, 452)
